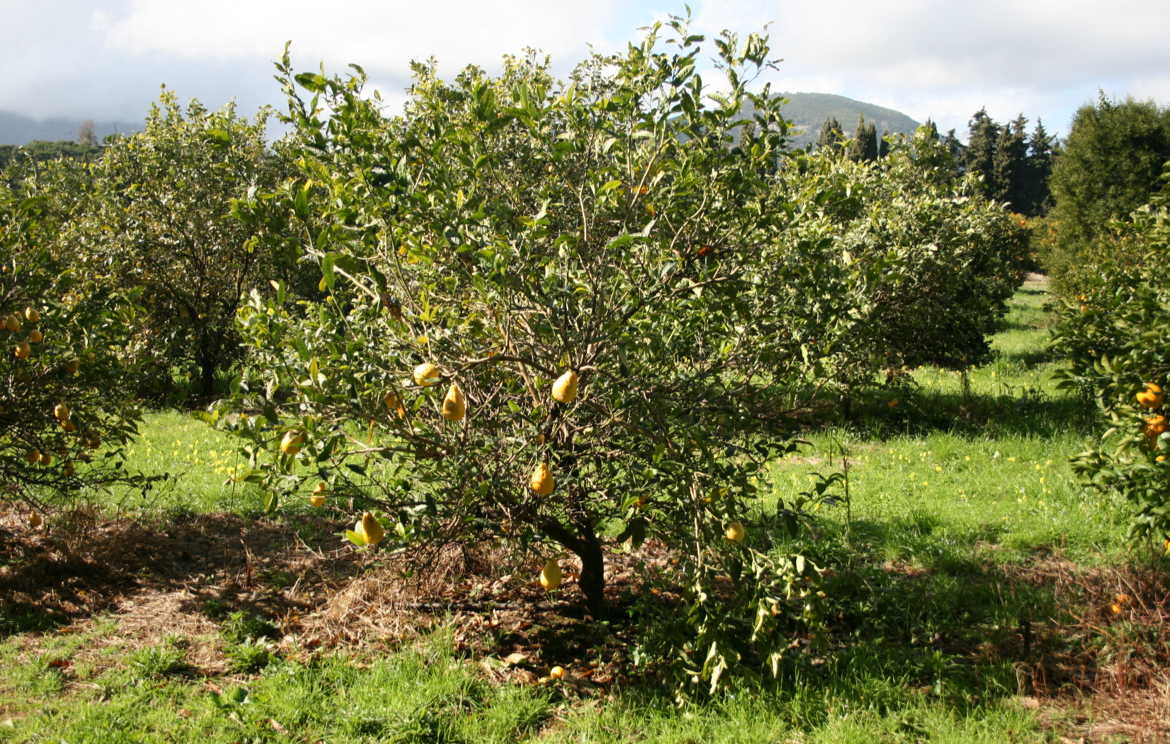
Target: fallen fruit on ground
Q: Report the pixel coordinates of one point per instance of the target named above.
(557, 672)
(550, 575)
(564, 390)
(542, 480)
(34, 520)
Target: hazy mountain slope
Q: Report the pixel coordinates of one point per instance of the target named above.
(16, 129)
(808, 112)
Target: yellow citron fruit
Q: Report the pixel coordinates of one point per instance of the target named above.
(35, 336)
(317, 498)
(34, 520)
(23, 350)
(454, 405)
(557, 672)
(292, 442)
(33, 456)
(61, 411)
(734, 532)
(370, 529)
(68, 426)
(564, 390)
(72, 366)
(12, 323)
(68, 469)
(550, 575)
(426, 374)
(542, 480)
(46, 459)
(32, 315)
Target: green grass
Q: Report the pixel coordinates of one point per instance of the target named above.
(950, 493)
(203, 461)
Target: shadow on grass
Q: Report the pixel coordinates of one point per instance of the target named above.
(86, 566)
(1019, 410)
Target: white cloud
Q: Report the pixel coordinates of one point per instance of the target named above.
(107, 58)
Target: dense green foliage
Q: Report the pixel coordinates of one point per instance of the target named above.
(1109, 166)
(1116, 336)
(40, 151)
(509, 230)
(66, 389)
(158, 215)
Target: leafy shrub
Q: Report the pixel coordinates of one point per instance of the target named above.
(66, 402)
(1115, 337)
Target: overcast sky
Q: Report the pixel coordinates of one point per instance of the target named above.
(105, 59)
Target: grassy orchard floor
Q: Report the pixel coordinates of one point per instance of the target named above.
(966, 526)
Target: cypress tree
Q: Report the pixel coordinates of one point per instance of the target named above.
(1010, 165)
(884, 144)
(1041, 153)
(980, 154)
(830, 136)
(864, 142)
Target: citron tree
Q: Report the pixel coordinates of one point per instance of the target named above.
(66, 401)
(1115, 337)
(553, 317)
(157, 217)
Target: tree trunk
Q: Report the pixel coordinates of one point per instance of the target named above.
(587, 546)
(592, 581)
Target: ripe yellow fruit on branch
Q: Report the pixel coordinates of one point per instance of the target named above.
(61, 411)
(32, 315)
(370, 529)
(23, 350)
(12, 323)
(734, 532)
(72, 366)
(33, 456)
(35, 336)
(292, 442)
(317, 498)
(426, 374)
(542, 480)
(46, 459)
(68, 426)
(68, 469)
(454, 405)
(550, 575)
(564, 390)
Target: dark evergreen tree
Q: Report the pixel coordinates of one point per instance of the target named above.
(980, 154)
(884, 144)
(864, 144)
(830, 136)
(958, 152)
(1041, 153)
(1010, 165)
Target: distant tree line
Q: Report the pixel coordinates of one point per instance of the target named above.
(1013, 164)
